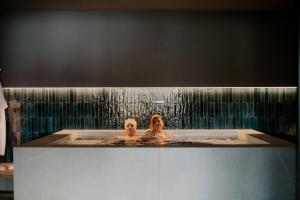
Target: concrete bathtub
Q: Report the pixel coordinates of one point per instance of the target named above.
(259, 167)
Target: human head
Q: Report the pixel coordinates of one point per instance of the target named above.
(130, 126)
(156, 123)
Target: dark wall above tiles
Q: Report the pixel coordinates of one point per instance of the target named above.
(78, 49)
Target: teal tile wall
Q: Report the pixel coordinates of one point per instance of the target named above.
(47, 110)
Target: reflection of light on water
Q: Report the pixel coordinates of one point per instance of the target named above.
(139, 141)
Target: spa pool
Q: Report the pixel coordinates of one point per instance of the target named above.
(195, 164)
(180, 138)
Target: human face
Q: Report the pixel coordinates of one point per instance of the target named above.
(130, 129)
(157, 124)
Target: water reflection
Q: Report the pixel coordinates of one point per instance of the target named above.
(143, 141)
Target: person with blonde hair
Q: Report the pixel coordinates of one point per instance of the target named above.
(129, 136)
(155, 130)
(130, 127)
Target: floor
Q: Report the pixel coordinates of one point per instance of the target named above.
(6, 195)
(6, 170)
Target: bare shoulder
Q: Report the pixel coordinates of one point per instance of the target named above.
(168, 135)
(148, 132)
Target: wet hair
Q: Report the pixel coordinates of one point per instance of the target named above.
(156, 116)
(130, 121)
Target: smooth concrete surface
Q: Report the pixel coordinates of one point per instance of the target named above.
(58, 173)
(227, 174)
(89, 173)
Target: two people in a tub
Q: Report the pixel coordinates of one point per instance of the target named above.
(155, 130)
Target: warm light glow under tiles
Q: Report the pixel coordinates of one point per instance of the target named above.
(279, 87)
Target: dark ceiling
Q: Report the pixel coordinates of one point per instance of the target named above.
(242, 5)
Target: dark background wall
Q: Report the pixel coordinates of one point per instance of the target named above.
(148, 49)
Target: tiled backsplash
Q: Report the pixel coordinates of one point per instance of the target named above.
(36, 112)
